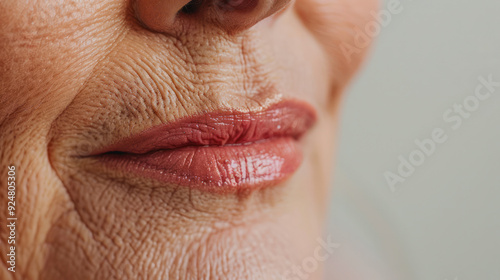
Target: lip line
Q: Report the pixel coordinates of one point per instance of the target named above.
(260, 141)
(231, 129)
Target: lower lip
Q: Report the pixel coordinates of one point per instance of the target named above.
(219, 169)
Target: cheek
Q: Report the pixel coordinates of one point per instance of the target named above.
(317, 47)
(302, 63)
(47, 49)
(337, 26)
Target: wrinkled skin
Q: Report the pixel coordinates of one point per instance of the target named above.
(75, 74)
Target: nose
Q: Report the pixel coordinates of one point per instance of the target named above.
(168, 16)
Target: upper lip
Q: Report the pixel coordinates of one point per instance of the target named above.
(284, 119)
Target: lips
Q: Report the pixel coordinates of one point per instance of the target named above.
(220, 152)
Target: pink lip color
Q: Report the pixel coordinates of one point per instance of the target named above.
(220, 152)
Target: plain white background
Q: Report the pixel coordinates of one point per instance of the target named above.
(443, 222)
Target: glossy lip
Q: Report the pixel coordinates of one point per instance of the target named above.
(221, 152)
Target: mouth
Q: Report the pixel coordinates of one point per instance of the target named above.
(221, 152)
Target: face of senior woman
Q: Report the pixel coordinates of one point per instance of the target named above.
(163, 139)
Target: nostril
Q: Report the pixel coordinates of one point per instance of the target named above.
(238, 5)
(232, 16)
(191, 7)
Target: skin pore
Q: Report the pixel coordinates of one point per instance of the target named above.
(77, 75)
